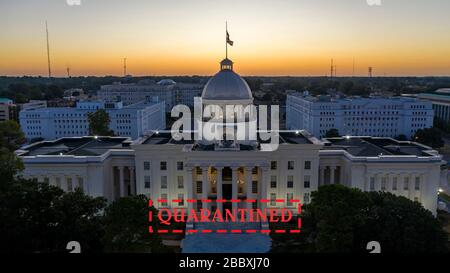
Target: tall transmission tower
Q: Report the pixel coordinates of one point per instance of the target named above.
(353, 72)
(124, 67)
(68, 72)
(370, 71)
(48, 52)
(332, 69)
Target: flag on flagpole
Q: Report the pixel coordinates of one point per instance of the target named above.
(228, 40)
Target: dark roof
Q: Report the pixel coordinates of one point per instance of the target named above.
(373, 147)
(166, 138)
(77, 146)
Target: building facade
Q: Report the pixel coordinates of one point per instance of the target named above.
(132, 121)
(230, 172)
(356, 116)
(8, 110)
(441, 103)
(167, 90)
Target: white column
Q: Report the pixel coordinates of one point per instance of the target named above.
(205, 187)
(248, 182)
(74, 182)
(219, 188)
(322, 176)
(132, 181)
(190, 187)
(332, 173)
(263, 190)
(263, 195)
(121, 181)
(234, 186)
(85, 185)
(64, 184)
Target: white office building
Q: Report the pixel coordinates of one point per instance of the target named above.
(168, 90)
(357, 116)
(441, 103)
(164, 168)
(132, 121)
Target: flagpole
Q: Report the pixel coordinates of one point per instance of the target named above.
(226, 42)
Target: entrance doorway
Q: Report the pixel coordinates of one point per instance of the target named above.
(227, 195)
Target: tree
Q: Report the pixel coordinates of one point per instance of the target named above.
(126, 226)
(431, 137)
(99, 123)
(37, 217)
(11, 136)
(342, 219)
(332, 133)
(402, 226)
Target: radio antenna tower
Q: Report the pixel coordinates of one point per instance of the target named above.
(124, 67)
(332, 69)
(68, 72)
(353, 72)
(370, 71)
(48, 52)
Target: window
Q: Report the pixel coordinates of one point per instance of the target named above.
(273, 165)
(46, 180)
(394, 183)
(273, 181)
(372, 183)
(164, 197)
(290, 182)
(307, 165)
(163, 182)
(180, 182)
(163, 166)
(289, 198)
(146, 166)
(417, 184)
(199, 186)
(58, 182)
(306, 198)
(291, 165)
(307, 182)
(240, 189)
(179, 165)
(181, 198)
(254, 186)
(147, 182)
(273, 199)
(199, 204)
(416, 199)
(406, 184)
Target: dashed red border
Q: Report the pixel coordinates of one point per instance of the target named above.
(224, 231)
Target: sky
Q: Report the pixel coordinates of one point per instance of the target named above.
(187, 37)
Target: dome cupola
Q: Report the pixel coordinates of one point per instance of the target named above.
(227, 86)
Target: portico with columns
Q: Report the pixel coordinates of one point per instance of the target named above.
(233, 185)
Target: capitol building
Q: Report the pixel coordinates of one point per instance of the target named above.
(190, 170)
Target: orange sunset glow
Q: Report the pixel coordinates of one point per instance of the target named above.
(296, 38)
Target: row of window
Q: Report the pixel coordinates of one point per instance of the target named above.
(290, 182)
(272, 202)
(163, 165)
(290, 165)
(147, 182)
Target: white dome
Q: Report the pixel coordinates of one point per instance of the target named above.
(227, 85)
